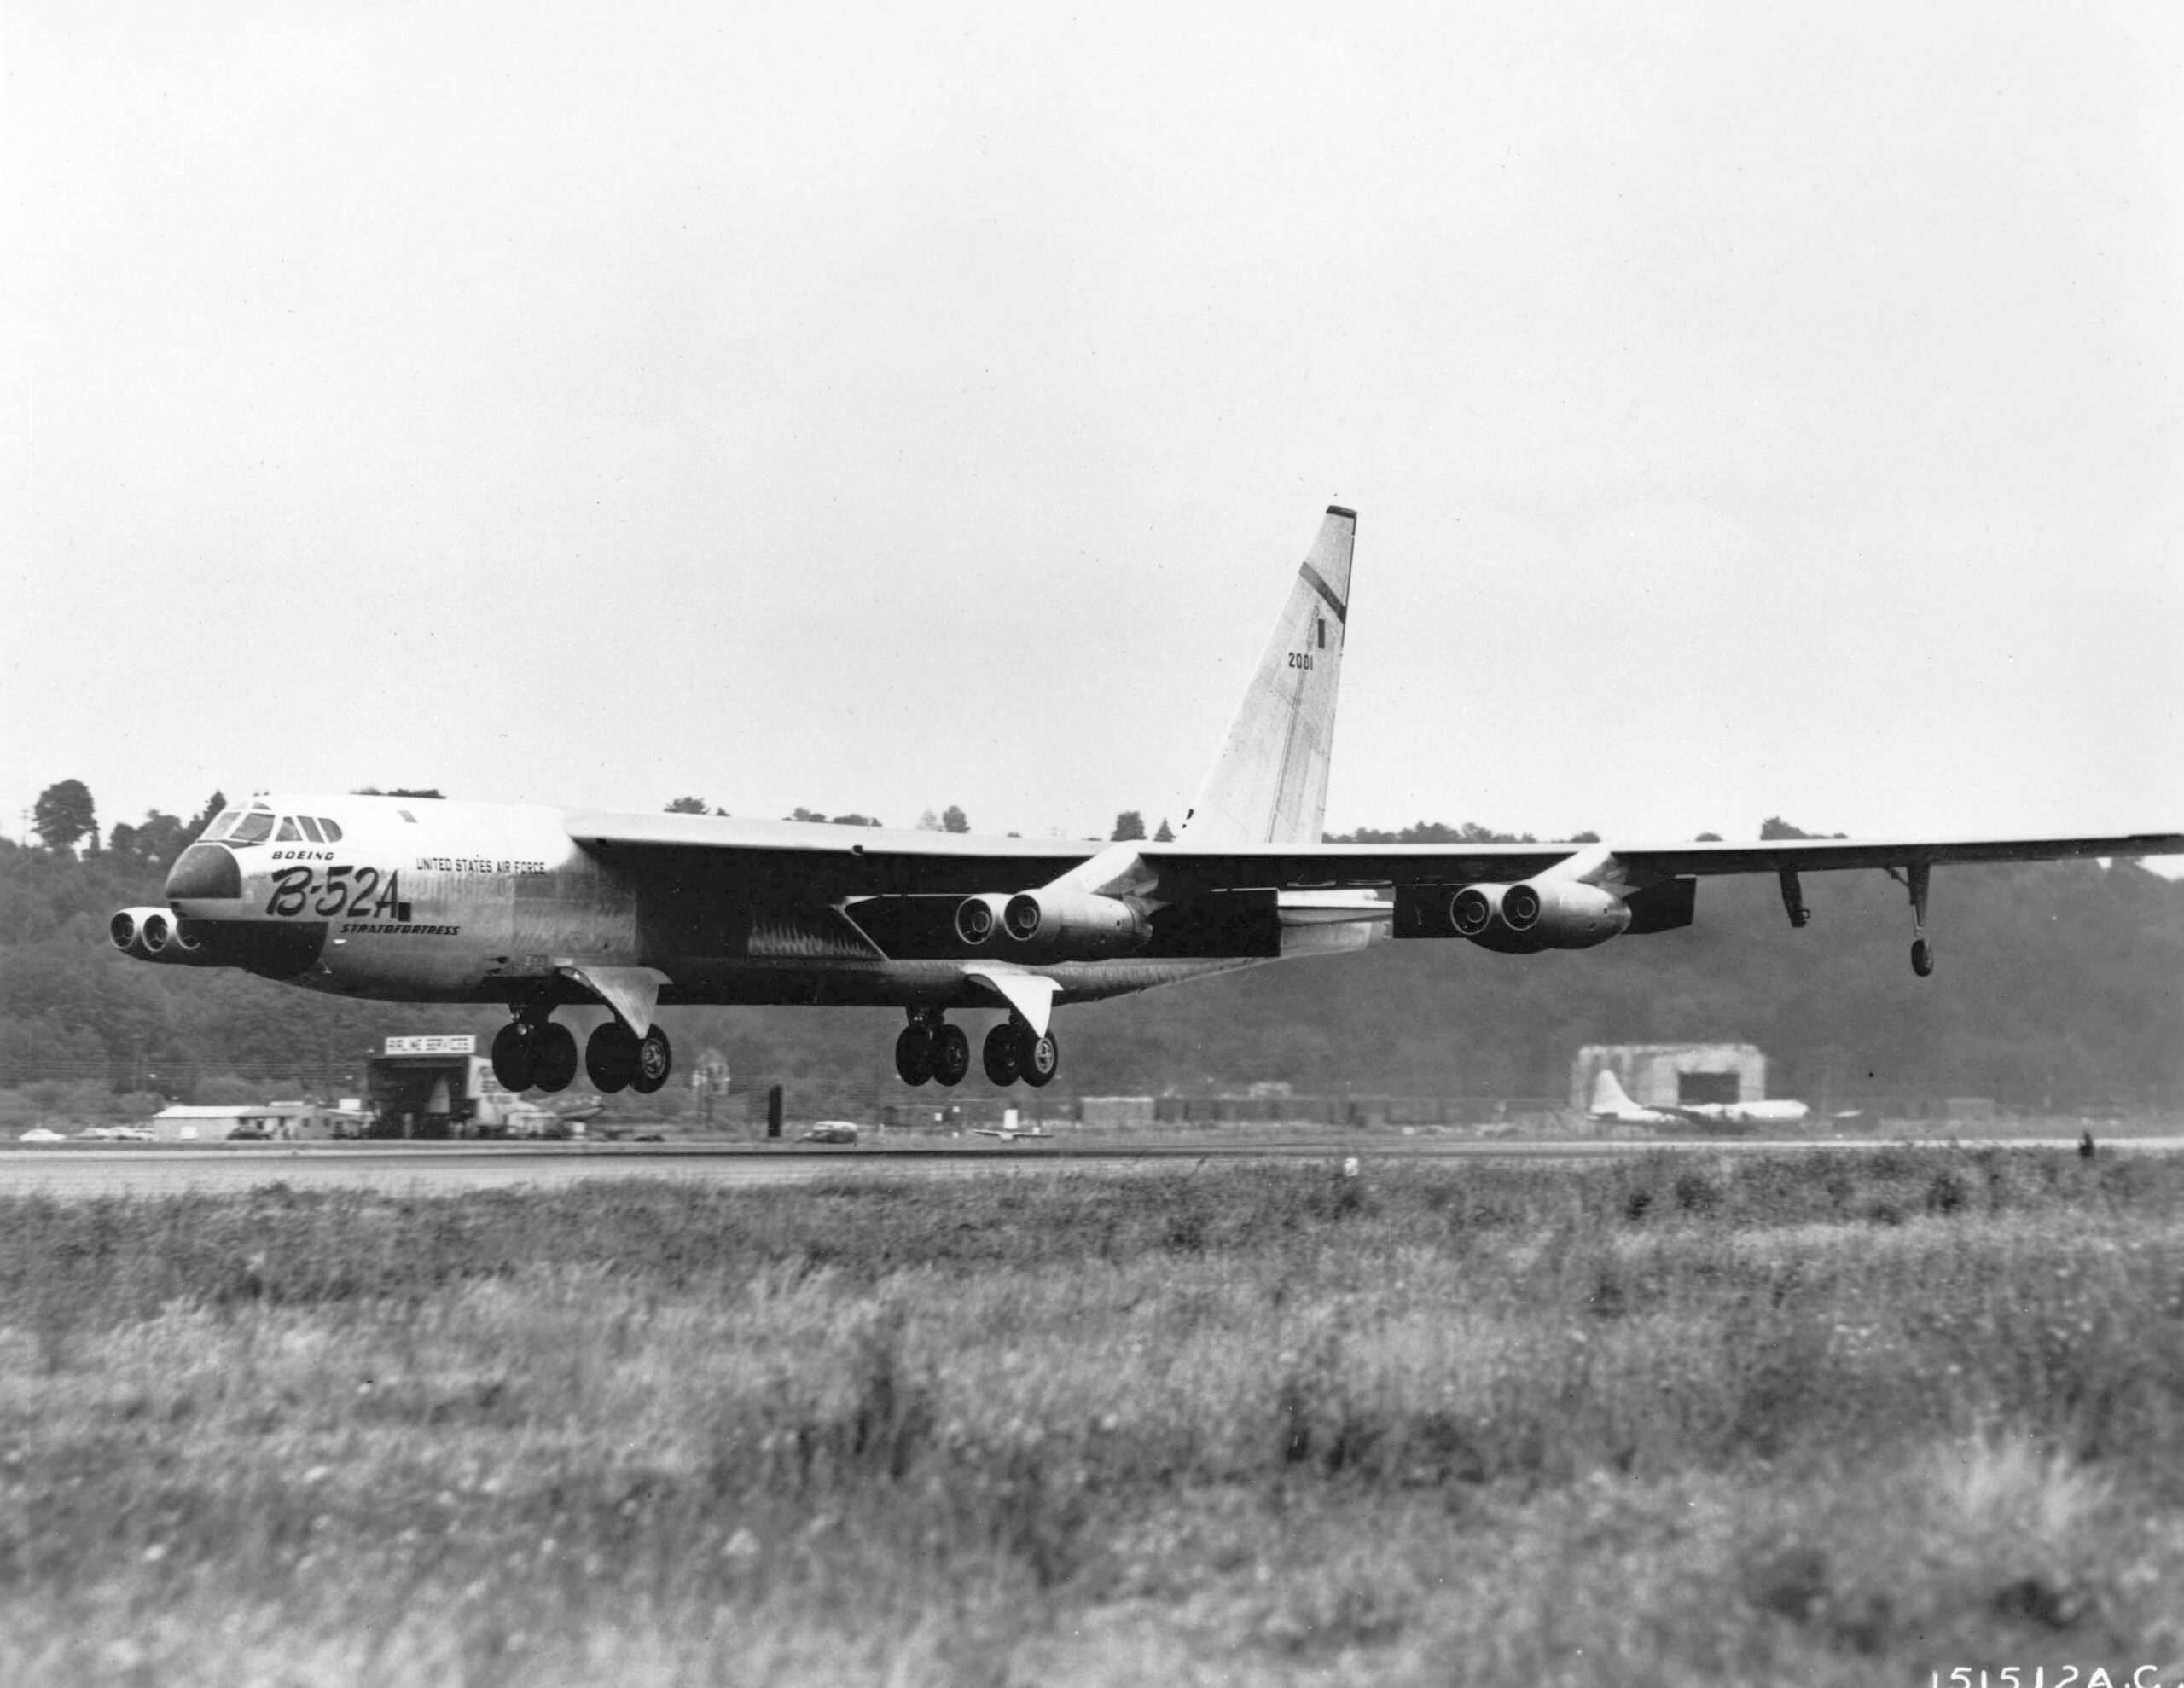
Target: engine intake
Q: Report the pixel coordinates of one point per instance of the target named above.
(1473, 910)
(1075, 925)
(978, 918)
(152, 935)
(167, 938)
(1536, 914)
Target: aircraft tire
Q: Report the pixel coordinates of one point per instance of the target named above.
(610, 1057)
(999, 1054)
(914, 1055)
(655, 1060)
(1922, 957)
(951, 1055)
(515, 1057)
(1037, 1058)
(554, 1056)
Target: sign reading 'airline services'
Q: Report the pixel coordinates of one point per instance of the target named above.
(461, 1043)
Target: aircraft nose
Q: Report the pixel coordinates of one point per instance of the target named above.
(204, 871)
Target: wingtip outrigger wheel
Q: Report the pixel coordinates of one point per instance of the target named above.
(1915, 879)
(1793, 899)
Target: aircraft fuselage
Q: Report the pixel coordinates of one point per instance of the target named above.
(426, 900)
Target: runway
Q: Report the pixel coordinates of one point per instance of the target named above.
(92, 1170)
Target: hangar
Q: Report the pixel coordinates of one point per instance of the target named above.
(1672, 1075)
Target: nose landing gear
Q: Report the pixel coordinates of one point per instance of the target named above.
(515, 1054)
(534, 1055)
(532, 1051)
(931, 1048)
(554, 1056)
(1000, 1054)
(1037, 1058)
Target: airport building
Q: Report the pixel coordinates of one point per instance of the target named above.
(441, 1087)
(1672, 1075)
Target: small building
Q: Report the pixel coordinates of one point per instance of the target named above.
(283, 1121)
(1672, 1075)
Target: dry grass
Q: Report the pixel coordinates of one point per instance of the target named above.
(1828, 1418)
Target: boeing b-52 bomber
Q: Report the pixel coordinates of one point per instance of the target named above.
(413, 900)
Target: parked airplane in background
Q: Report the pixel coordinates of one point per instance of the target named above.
(1612, 1103)
(415, 900)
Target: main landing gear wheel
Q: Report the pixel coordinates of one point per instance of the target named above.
(951, 1055)
(514, 1056)
(554, 1056)
(610, 1057)
(1000, 1054)
(914, 1055)
(1922, 957)
(1037, 1058)
(655, 1060)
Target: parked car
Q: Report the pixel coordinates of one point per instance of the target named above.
(38, 1134)
(832, 1131)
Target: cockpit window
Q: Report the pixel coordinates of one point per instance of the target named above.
(310, 828)
(332, 831)
(255, 827)
(226, 820)
(287, 834)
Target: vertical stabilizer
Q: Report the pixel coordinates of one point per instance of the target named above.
(1610, 1099)
(1271, 783)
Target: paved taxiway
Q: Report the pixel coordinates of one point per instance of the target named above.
(113, 1170)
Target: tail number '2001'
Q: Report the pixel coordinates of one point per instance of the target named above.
(355, 892)
(1300, 659)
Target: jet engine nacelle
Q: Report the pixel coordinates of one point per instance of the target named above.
(152, 935)
(1534, 914)
(1075, 925)
(978, 918)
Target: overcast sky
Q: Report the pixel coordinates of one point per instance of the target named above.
(1749, 410)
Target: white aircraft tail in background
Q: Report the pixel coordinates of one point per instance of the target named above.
(1612, 1103)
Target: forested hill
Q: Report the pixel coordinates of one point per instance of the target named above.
(74, 1010)
(2056, 980)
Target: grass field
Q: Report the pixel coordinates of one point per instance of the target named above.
(1814, 1419)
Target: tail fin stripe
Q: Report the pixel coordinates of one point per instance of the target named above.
(1312, 579)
